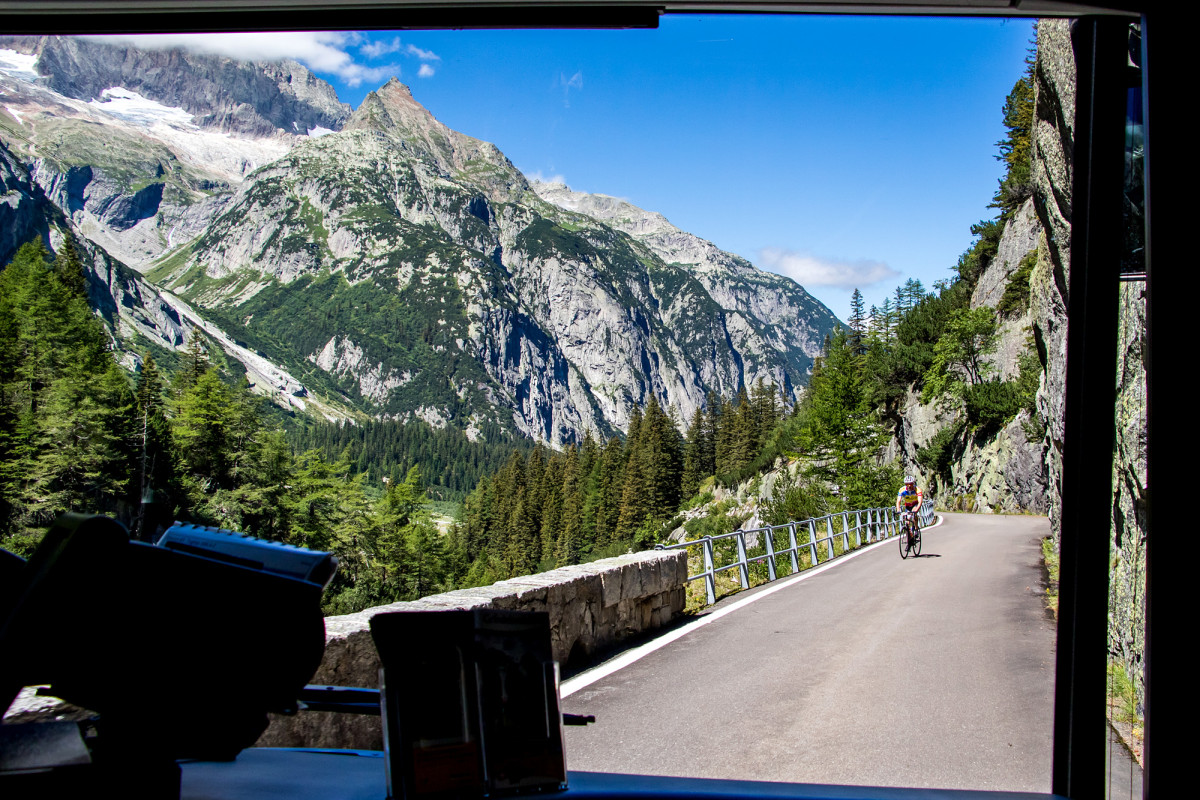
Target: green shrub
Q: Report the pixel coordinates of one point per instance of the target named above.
(943, 450)
(796, 500)
(1015, 301)
(991, 404)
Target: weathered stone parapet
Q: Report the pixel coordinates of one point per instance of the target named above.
(591, 607)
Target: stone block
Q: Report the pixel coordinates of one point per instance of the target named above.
(610, 587)
(631, 582)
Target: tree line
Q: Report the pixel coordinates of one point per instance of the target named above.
(450, 462)
(546, 509)
(77, 434)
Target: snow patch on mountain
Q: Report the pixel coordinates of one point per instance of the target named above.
(230, 155)
(18, 65)
(132, 107)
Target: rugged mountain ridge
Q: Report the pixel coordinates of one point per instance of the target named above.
(393, 266)
(255, 99)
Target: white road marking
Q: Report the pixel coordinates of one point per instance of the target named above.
(585, 679)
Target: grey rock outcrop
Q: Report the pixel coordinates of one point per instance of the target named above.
(559, 317)
(1001, 471)
(1127, 578)
(222, 93)
(1053, 145)
(22, 208)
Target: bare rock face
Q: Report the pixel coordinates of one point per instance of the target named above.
(22, 212)
(1053, 143)
(1127, 579)
(222, 93)
(555, 322)
(1020, 237)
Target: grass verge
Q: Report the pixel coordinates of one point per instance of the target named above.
(1050, 556)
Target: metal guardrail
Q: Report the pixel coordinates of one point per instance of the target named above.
(875, 524)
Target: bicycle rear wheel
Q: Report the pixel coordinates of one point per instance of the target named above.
(916, 543)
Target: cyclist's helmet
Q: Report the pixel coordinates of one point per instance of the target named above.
(909, 479)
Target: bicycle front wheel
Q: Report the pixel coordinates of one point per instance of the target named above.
(903, 539)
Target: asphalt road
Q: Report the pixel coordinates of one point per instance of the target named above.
(929, 672)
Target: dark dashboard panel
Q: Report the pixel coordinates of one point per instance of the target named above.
(359, 775)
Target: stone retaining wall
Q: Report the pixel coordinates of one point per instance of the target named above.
(591, 606)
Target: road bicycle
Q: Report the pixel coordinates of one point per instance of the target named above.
(910, 535)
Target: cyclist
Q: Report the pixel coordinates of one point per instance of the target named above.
(909, 498)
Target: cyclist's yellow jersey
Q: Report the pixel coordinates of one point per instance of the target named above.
(909, 499)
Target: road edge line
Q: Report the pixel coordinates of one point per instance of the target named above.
(585, 679)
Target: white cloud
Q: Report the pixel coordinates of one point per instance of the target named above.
(320, 52)
(538, 177)
(381, 48)
(573, 82)
(424, 55)
(425, 71)
(810, 270)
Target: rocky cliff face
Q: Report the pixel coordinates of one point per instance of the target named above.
(1055, 136)
(255, 99)
(393, 264)
(1002, 472)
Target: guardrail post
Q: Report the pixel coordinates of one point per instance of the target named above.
(845, 531)
(858, 528)
(710, 575)
(770, 536)
(829, 534)
(743, 564)
(812, 540)
(793, 550)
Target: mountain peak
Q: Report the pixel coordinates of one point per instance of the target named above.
(392, 106)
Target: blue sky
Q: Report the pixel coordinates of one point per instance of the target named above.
(842, 151)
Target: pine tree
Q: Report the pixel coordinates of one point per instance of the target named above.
(69, 268)
(765, 400)
(1016, 148)
(155, 470)
(902, 305)
(662, 457)
(693, 458)
(571, 545)
(552, 505)
(887, 320)
(858, 322)
(841, 435)
(635, 499)
(64, 403)
(712, 420)
(914, 293)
